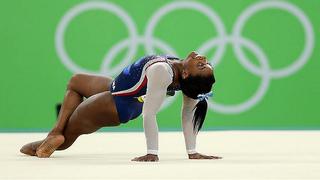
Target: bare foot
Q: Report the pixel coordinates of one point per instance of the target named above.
(31, 148)
(49, 145)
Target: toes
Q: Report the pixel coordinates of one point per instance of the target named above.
(27, 149)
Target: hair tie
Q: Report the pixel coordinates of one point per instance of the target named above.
(205, 96)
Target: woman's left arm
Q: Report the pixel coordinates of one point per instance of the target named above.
(189, 135)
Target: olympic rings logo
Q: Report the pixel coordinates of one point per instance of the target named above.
(235, 39)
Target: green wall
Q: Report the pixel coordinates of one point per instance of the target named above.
(266, 56)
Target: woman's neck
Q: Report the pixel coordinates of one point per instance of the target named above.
(177, 66)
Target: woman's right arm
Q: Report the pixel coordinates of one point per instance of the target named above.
(187, 125)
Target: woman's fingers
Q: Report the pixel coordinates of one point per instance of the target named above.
(146, 158)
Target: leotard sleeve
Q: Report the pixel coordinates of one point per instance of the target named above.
(159, 77)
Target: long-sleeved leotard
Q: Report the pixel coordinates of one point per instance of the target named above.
(150, 77)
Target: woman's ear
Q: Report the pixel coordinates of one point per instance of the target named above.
(185, 74)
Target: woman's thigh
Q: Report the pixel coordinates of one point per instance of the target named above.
(95, 112)
(88, 85)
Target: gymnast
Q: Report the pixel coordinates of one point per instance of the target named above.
(92, 102)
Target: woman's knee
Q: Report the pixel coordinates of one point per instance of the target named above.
(74, 81)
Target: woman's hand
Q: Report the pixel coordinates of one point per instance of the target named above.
(146, 158)
(201, 156)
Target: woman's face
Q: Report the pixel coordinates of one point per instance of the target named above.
(196, 65)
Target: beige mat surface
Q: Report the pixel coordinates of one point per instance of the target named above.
(246, 155)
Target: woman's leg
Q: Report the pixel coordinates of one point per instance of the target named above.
(97, 111)
(79, 86)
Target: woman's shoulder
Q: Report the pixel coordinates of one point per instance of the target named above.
(160, 74)
(161, 69)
